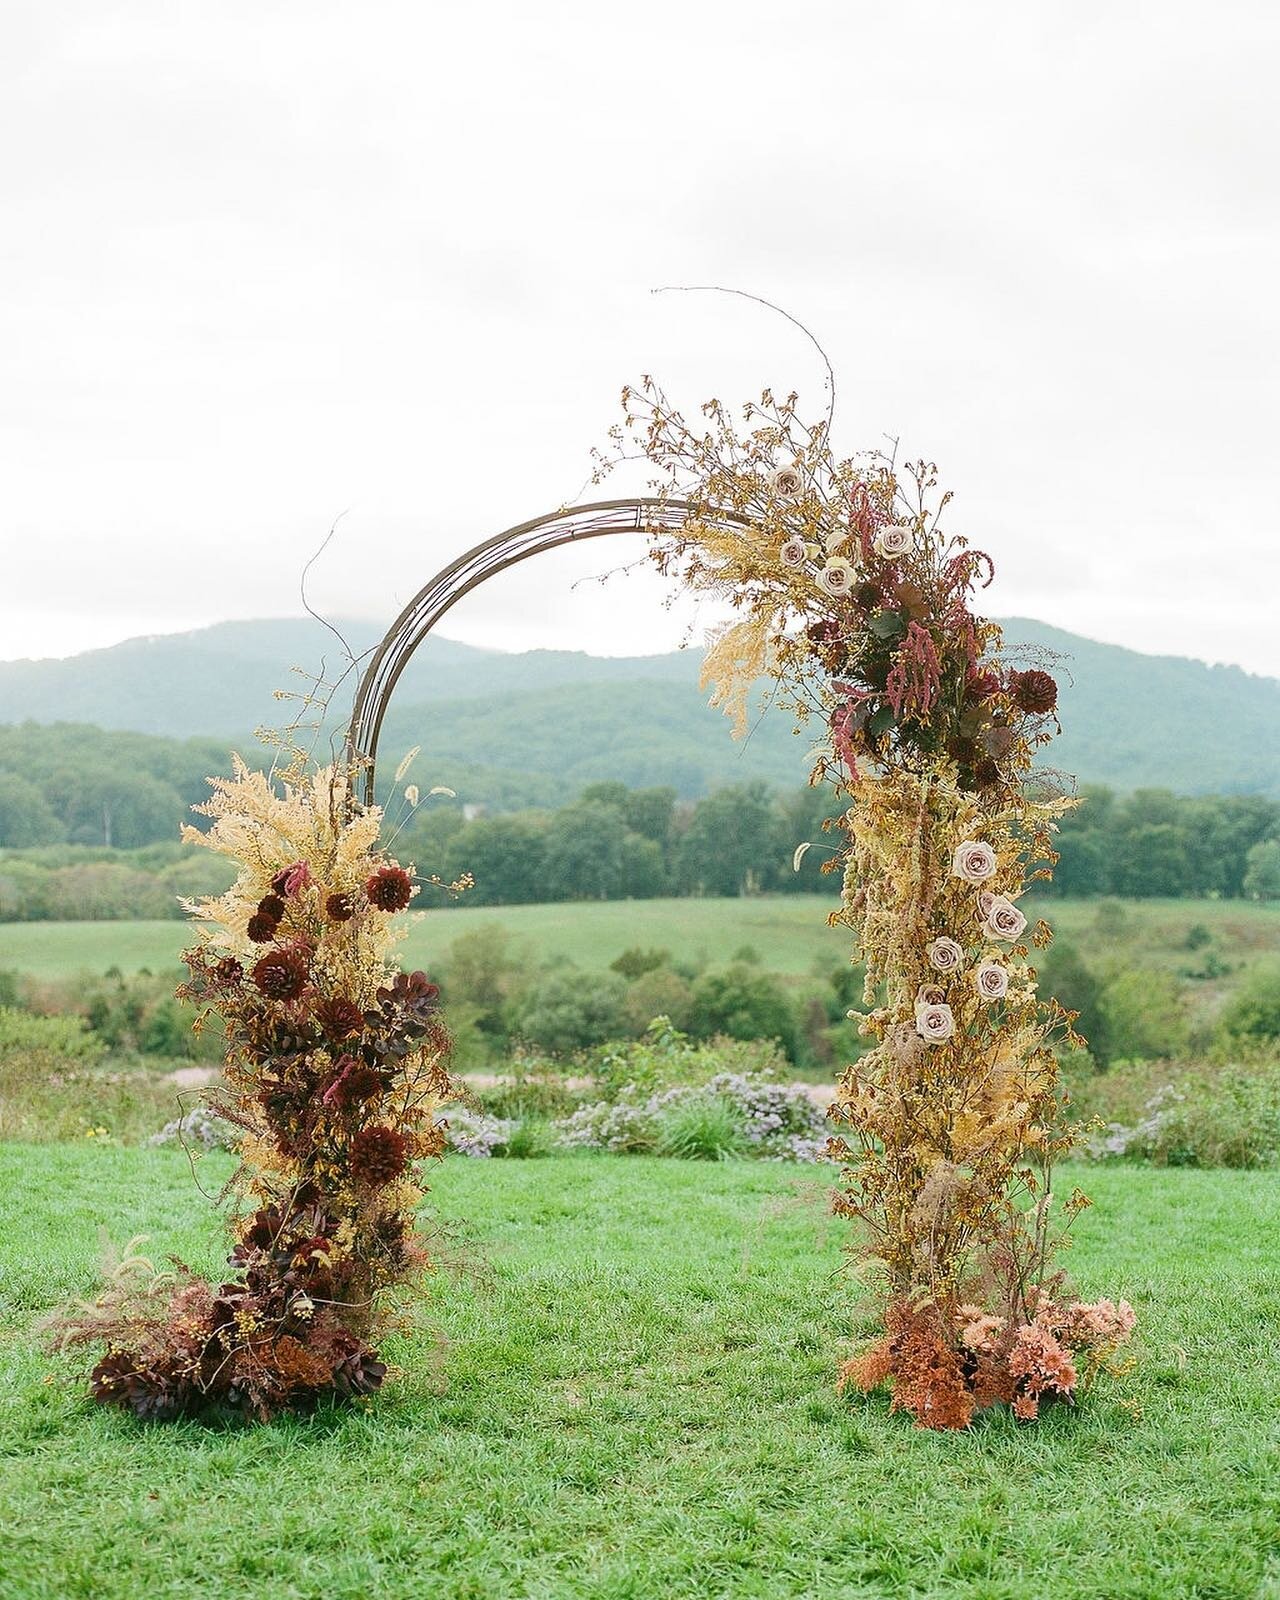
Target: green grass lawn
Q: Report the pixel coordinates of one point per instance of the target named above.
(636, 1400)
(788, 931)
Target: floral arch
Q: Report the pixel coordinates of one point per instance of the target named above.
(856, 602)
(567, 526)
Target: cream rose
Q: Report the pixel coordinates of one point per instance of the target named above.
(945, 955)
(895, 539)
(1004, 920)
(836, 578)
(793, 553)
(935, 1024)
(974, 861)
(991, 980)
(786, 482)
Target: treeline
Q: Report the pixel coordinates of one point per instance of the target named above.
(79, 785)
(1155, 844)
(615, 843)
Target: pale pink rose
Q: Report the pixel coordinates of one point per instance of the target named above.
(985, 902)
(945, 955)
(991, 981)
(1004, 920)
(793, 553)
(974, 861)
(837, 577)
(895, 539)
(787, 482)
(935, 1024)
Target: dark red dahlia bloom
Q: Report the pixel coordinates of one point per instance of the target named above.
(1035, 692)
(378, 1155)
(262, 929)
(339, 1018)
(389, 889)
(281, 975)
(352, 1083)
(271, 905)
(338, 908)
(981, 684)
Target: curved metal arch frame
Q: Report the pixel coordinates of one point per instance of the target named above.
(460, 577)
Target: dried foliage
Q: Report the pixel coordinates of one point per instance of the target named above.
(859, 605)
(334, 1072)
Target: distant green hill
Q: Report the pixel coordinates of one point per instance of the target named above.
(528, 728)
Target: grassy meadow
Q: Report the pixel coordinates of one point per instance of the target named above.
(629, 1394)
(788, 932)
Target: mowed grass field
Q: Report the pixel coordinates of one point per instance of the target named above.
(788, 932)
(632, 1397)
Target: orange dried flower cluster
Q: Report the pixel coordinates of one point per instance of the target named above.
(857, 606)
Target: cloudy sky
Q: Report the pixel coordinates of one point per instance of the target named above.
(267, 262)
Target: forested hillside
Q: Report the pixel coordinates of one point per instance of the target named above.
(512, 730)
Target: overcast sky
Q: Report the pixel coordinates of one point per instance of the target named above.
(266, 262)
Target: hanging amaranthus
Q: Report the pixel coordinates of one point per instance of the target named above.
(859, 605)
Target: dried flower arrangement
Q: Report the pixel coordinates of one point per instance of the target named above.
(335, 1069)
(858, 606)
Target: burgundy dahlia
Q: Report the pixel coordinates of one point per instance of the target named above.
(389, 889)
(338, 908)
(281, 975)
(262, 929)
(378, 1155)
(1035, 692)
(339, 1018)
(981, 684)
(271, 905)
(352, 1083)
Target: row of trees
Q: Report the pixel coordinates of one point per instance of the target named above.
(1153, 843)
(615, 843)
(80, 785)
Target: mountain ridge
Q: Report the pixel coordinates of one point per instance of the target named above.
(1131, 720)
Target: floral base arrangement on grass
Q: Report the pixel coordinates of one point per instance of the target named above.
(335, 1070)
(855, 607)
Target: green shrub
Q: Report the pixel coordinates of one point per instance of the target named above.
(1253, 1012)
(702, 1127)
(61, 1038)
(634, 962)
(665, 1058)
(534, 1090)
(529, 1139)
(46, 1098)
(743, 1003)
(1227, 1118)
(569, 1011)
(1143, 1012)
(1065, 977)
(659, 993)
